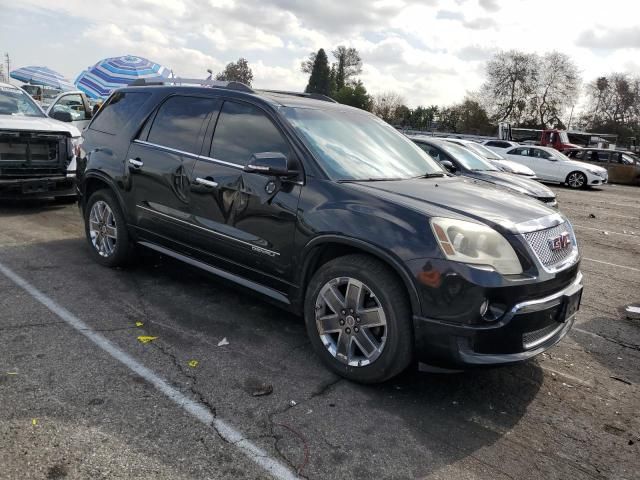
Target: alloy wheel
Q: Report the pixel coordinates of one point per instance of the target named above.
(103, 229)
(351, 321)
(576, 180)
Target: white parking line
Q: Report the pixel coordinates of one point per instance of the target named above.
(199, 411)
(611, 264)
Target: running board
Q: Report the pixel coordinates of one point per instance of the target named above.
(270, 292)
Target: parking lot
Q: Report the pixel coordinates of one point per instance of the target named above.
(83, 397)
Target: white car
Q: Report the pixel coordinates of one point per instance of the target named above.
(552, 166)
(495, 158)
(37, 153)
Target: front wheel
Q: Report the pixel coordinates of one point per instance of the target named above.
(358, 319)
(576, 180)
(106, 230)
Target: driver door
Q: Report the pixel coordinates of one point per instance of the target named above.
(76, 105)
(244, 221)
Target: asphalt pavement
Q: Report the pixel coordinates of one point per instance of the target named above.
(230, 388)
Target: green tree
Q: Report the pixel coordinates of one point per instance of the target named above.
(237, 72)
(354, 95)
(320, 78)
(348, 65)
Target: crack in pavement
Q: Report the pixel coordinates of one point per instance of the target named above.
(631, 346)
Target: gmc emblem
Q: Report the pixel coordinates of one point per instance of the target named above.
(561, 241)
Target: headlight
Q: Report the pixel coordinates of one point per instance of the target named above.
(598, 173)
(476, 244)
(74, 146)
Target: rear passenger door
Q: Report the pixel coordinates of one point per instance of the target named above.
(160, 162)
(245, 221)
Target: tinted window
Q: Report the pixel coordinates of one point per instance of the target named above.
(179, 123)
(519, 151)
(243, 130)
(598, 157)
(540, 153)
(575, 154)
(432, 151)
(118, 110)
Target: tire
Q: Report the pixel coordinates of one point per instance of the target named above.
(364, 291)
(576, 180)
(106, 230)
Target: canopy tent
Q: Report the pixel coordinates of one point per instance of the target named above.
(44, 76)
(109, 74)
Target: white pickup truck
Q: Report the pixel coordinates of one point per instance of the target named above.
(37, 153)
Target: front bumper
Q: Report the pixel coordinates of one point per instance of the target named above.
(527, 329)
(38, 187)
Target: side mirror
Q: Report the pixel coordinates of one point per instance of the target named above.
(269, 163)
(62, 116)
(448, 165)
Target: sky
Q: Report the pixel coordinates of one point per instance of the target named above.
(429, 51)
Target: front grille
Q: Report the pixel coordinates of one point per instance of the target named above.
(538, 337)
(30, 172)
(539, 243)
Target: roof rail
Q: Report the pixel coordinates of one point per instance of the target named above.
(315, 96)
(177, 81)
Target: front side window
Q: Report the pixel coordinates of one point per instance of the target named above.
(354, 145)
(17, 103)
(243, 130)
(519, 151)
(118, 110)
(73, 105)
(626, 159)
(537, 153)
(179, 123)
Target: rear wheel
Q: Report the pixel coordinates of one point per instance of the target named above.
(358, 319)
(106, 230)
(576, 180)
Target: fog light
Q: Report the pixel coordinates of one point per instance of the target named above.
(484, 307)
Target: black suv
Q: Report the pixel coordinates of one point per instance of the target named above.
(335, 215)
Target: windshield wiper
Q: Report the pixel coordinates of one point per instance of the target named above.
(370, 180)
(431, 175)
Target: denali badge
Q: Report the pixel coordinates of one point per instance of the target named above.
(561, 241)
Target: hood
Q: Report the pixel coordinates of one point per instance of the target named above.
(517, 183)
(514, 167)
(585, 166)
(461, 198)
(39, 124)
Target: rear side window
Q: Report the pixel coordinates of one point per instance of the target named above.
(243, 130)
(117, 111)
(519, 151)
(180, 122)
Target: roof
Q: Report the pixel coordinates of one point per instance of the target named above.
(273, 97)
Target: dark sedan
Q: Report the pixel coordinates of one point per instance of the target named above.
(461, 161)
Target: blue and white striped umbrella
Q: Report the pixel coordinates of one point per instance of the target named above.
(43, 76)
(112, 73)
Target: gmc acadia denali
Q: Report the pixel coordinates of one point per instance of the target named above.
(336, 216)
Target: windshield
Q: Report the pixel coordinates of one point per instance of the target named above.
(484, 151)
(466, 157)
(556, 154)
(16, 102)
(353, 145)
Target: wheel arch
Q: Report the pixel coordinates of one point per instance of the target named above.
(94, 181)
(322, 249)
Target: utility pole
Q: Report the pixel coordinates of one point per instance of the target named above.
(8, 61)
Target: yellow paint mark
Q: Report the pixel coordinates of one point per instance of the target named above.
(139, 324)
(34, 421)
(193, 363)
(12, 373)
(146, 339)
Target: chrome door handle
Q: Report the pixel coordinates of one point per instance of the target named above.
(136, 163)
(206, 183)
